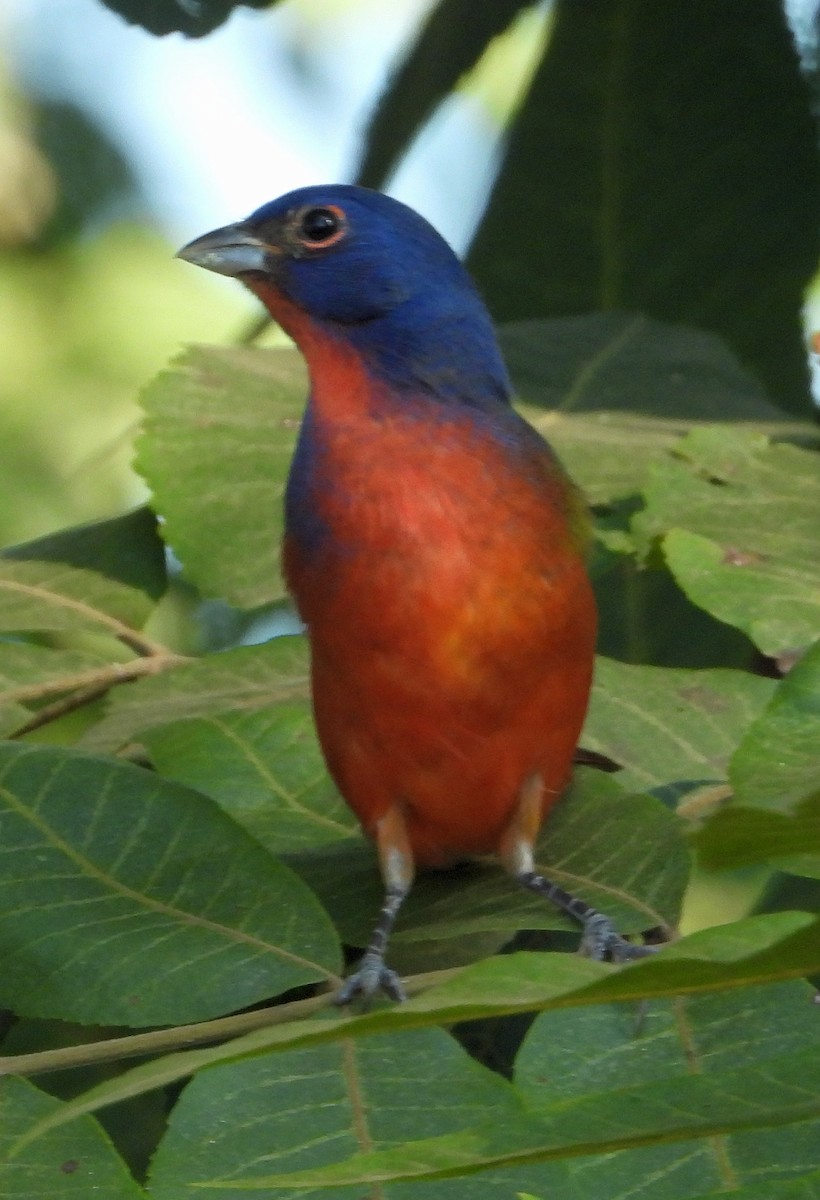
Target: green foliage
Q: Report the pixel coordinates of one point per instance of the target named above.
(177, 852)
(214, 876)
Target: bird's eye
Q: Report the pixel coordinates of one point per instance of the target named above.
(321, 226)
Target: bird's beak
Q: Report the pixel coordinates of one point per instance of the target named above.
(231, 250)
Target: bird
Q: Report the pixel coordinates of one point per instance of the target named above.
(434, 546)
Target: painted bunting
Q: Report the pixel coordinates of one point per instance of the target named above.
(434, 547)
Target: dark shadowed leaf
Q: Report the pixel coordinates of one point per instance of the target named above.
(194, 18)
(126, 548)
(450, 42)
(664, 162)
(71, 1163)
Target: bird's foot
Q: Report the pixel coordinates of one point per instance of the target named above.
(602, 942)
(372, 976)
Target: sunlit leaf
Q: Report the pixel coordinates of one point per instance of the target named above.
(48, 596)
(663, 725)
(220, 427)
(245, 680)
(264, 768)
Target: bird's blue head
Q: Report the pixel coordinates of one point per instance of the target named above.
(372, 272)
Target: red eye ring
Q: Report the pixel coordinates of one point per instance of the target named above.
(320, 227)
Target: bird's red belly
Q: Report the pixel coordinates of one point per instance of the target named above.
(452, 628)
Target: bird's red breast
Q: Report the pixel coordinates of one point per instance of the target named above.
(450, 616)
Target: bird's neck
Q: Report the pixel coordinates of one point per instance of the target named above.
(452, 358)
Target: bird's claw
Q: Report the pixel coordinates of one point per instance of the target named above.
(603, 943)
(373, 976)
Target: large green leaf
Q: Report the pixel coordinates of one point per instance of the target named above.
(776, 764)
(65, 1164)
(626, 363)
(362, 1094)
(775, 1090)
(127, 899)
(774, 815)
(777, 946)
(665, 162)
(601, 1049)
(220, 427)
(738, 521)
(246, 679)
(264, 768)
(664, 725)
(612, 382)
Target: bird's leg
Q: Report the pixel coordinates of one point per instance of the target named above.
(601, 939)
(396, 862)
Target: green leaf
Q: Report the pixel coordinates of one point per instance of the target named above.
(25, 668)
(450, 42)
(372, 1092)
(194, 18)
(130, 900)
(738, 521)
(65, 1163)
(265, 769)
(246, 680)
(777, 1091)
(664, 725)
(772, 947)
(37, 596)
(625, 363)
(220, 428)
(738, 836)
(683, 180)
(774, 815)
(127, 549)
(605, 1048)
(775, 765)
